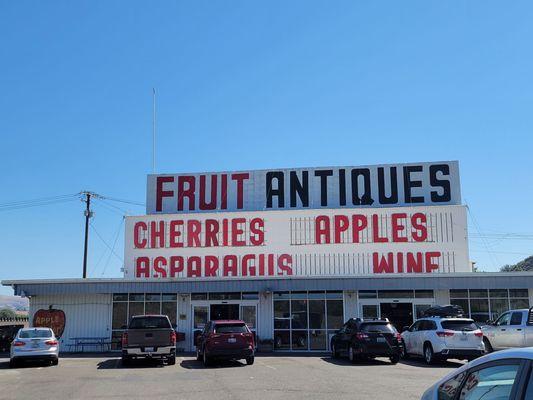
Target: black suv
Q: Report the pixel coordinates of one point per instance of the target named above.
(361, 339)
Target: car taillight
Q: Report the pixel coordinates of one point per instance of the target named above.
(361, 336)
(124, 339)
(249, 338)
(478, 333)
(398, 336)
(18, 343)
(51, 342)
(173, 337)
(445, 333)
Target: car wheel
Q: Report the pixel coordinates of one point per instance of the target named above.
(55, 361)
(171, 360)
(126, 361)
(395, 359)
(198, 354)
(403, 351)
(488, 346)
(334, 352)
(429, 356)
(12, 363)
(206, 359)
(250, 360)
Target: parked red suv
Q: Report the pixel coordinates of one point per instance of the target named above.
(225, 339)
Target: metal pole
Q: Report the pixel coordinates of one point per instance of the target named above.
(153, 131)
(87, 216)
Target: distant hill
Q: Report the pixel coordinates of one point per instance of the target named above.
(524, 265)
(14, 302)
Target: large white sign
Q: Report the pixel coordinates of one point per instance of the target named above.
(333, 242)
(390, 185)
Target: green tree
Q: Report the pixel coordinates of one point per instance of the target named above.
(7, 313)
(524, 265)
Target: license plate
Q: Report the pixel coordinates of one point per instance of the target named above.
(382, 339)
(148, 349)
(464, 337)
(35, 345)
(232, 340)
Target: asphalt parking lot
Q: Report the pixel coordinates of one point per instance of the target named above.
(271, 377)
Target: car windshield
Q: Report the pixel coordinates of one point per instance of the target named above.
(459, 325)
(231, 328)
(150, 323)
(35, 333)
(377, 327)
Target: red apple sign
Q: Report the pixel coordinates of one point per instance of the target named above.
(51, 318)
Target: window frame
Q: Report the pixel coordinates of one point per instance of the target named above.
(521, 374)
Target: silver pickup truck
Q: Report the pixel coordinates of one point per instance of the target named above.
(513, 328)
(149, 336)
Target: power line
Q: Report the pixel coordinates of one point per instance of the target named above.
(103, 240)
(114, 243)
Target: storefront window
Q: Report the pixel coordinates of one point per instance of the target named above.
(305, 320)
(482, 305)
(395, 294)
(120, 315)
(370, 310)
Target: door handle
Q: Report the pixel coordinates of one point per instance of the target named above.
(503, 329)
(518, 329)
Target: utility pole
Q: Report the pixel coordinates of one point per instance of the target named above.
(153, 130)
(88, 214)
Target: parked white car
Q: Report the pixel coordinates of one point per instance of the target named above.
(34, 344)
(513, 328)
(436, 338)
(504, 375)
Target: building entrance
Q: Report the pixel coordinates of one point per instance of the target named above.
(224, 311)
(399, 314)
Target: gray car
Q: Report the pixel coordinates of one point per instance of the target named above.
(34, 344)
(513, 328)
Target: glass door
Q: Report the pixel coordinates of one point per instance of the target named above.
(200, 319)
(249, 316)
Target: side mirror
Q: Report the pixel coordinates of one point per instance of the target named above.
(405, 328)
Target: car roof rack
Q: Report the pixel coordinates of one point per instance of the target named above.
(448, 311)
(358, 319)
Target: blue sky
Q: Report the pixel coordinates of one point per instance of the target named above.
(250, 85)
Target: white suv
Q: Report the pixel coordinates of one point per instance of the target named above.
(442, 338)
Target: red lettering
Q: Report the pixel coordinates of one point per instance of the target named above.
(359, 223)
(285, 264)
(211, 232)
(142, 267)
(322, 230)
(261, 265)
(137, 235)
(240, 192)
(399, 262)
(176, 265)
(246, 267)
(375, 230)
(237, 231)
(157, 234)
(230, 264)
(159, 267)
(224, 192)
(175, 233)
(430, 265)
(414, 265)
(160, 193)
(420, 231)
(383, 265)
(398, 226)
(341, 225)
(270, 264)
(194, 228)
(204, 205)
(194, 267)
(257, 234)
(189, 192)
(225, 232)
(211, 265)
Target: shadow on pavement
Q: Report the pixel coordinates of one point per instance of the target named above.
(419, 362)
(346, 362)
(116, 363)
(194, 364)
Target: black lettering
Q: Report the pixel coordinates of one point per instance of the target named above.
(408, 184)
(323, 174)
(300, 188)
(366, 198)
(280, 191)
(342, 187)
(443, 183)
(393, 198)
